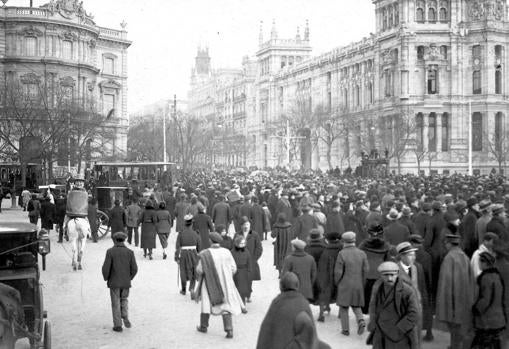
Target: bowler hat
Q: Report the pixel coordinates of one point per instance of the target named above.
(314, 234)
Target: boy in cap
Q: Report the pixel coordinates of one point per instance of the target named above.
(118, 269)
(350, 274)
(455, 292)
(394, 311)
(490, 239)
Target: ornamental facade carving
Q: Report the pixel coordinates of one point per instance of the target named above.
(490, 10)
(30, 31)
(69, 9)
(30, 78)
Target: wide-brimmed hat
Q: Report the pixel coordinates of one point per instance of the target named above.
(393, 214)
(375, 229)
(405, 247)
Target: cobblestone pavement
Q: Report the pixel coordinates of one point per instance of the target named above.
(78, 305)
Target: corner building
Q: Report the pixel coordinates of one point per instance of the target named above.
(440, 63)
(59, 44)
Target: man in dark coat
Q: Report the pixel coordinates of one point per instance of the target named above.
(181, 210)
(406, 219)
(203, 226)
(335, 220)
(469, 242)
(118, 269)
(455, 293)
(377, 251)
(47, 214)
(118, 220)
(60, 205)
(221, 214)
(304, 224)
(395, 232)
(394, 312)
(421, 219)
(433, 241)
(496, 225)
(254, 246)
(289, 321)
(303, 265)
(258, 219)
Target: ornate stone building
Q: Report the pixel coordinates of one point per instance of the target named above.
(432, 70)
(58, 45)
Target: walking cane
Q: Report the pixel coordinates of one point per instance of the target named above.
(178, 274)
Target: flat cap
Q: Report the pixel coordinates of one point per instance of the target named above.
(215, 237)
(348, 237)
(388, 268)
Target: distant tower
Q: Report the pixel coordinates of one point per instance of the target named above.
(273, 32)
(297, 37)
(202, 61)
(260, 35)
(306, 32)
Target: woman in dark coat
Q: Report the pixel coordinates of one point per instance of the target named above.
(242, 259)
(254, 246)
(163, 226)
(325, 273)
(203, 225)
(34, 209)
(488, 310)
(148, 229)
(282, 232)
(47, 214)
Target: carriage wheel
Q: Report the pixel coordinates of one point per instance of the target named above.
(102, 224)
(47, 335)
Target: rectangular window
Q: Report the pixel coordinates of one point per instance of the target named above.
(109, 65)
(30, 46)
(432, 132)
(432, 82)
(476, 82)
(498, 81)
(477, 131)
(499, 139)
(477, 51)
(67, 49)
(445, 132)
(108, 103)
(419, 132)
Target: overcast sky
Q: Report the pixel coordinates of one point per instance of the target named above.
(166, 34)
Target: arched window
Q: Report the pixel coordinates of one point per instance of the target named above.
(420, 52)
(498, 80)
(432, 15)
(391, 17)
(477, 131)
(419, 15)
(370, 92)
(419, 131)
(476, 82)
(443, 51)
(499, 129)
(445, 132)
(67, 49)
(396, 14)
(384, 24)
(443, 14)
(432, 132)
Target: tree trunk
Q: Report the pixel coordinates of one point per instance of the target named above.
(399, 165)
(329, 162)
(23, 173)
(418, 165)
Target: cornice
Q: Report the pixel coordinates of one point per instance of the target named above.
(44, 61)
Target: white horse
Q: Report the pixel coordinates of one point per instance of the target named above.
(78, 229)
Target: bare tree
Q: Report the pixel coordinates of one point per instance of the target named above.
(330, 127)
(497, 144)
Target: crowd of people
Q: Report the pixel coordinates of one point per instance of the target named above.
(436, 249)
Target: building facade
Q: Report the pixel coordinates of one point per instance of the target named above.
(58, 46)
(428, 86)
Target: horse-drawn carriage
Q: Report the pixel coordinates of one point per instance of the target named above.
(22, 313)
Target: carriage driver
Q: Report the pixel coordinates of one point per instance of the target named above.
(76, 221)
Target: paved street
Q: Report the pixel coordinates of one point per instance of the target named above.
(78, 305)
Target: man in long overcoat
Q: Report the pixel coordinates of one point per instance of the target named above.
(469, 241)
(283, 206)
(203, 225)
(455, 293)
(325, 273)
(181, 209)
(289, 320)
(258, 217)
(335, 222)
(433, 242)
(118, 221)
(304, 224)
(349, 274)
(221, 214)
(394, 312)
(303, 265)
